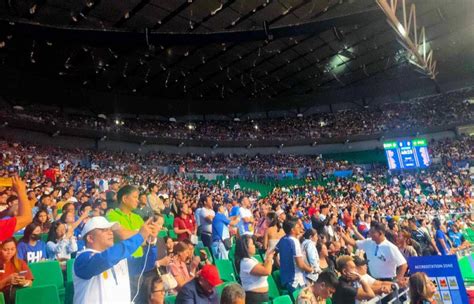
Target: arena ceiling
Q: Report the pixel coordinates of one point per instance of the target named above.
(187, 52)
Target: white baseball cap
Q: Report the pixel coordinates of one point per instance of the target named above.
(98, 222)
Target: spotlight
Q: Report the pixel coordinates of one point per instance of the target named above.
(255, 127)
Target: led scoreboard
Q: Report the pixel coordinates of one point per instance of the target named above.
(407, 154)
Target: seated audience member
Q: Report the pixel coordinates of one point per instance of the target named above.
(292, 264)
(253, 274)
(31, 248)
(310, 252)
(155, 290)
(321, 287)
(233, 294)
(15, 272)
(201, 289)
(102, 271)
(345, 292)
(422, 290)
(41, 219)
(61, 244)
(178, 267)
(24, 217)
(379, 287)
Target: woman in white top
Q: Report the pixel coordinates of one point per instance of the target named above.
(252, 273)
(310, 253)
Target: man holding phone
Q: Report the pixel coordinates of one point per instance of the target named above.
(9, 226)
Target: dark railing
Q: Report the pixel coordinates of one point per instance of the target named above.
(116, 136)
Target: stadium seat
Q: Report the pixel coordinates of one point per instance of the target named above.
(209, 255)
(277, 278)
(220, 288)
(226, 270)
(2, 298)
(296, 293)
(273, 291)
(282, 300)
(171, 299)
(172, 234)
(163, 233)
(48, 273)
(69, 282)
(258, 257)
(47, 294)
(169, 221)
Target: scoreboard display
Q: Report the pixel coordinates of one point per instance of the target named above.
(407, 154)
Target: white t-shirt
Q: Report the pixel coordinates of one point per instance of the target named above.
(369, 280)
(249, 281)
(383, 258)
(245, 228)
(205, 225)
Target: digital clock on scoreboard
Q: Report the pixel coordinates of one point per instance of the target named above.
(407, 154)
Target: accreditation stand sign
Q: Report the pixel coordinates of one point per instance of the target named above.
(444, 272)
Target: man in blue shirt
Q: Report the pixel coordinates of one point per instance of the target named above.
(292, 264)
(220, 232)
(102, 271)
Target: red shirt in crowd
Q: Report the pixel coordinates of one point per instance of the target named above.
(9, 268)
(7, 228)
(188, 223)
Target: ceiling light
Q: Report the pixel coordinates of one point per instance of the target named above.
(89, 3)
(255, 127)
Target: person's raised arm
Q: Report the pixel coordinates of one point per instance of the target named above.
(25, 215)
(264, 269)
(347, 239)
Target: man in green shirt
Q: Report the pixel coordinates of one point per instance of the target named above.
(131, 223)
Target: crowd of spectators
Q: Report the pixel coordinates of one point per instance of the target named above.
(438, 110)
(106, 209)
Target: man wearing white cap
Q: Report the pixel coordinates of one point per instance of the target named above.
(101, 271)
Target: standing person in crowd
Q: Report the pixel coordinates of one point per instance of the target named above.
(206, 216)
(61, 244)
(201, 289)
(346, 293)
(31, 248)
(325, 262)
(127, 198)
(253, 274)
(154, 202)
(143, 210)
(101, 272)
(233, 294)
(41, 219)
(292, 264)
(422, 290)
(321, 287)
(111, 195)
(24, 217)
(15, 272)
(442, 242)
(386, 262)
(404, 242)
(274, 232)
(457, 238)
(310, 253)
(184, 224)
(422, 237)
(246, 217)
(221, 241)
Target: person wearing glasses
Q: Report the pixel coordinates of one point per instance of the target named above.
(386, 262)
(156, 290)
